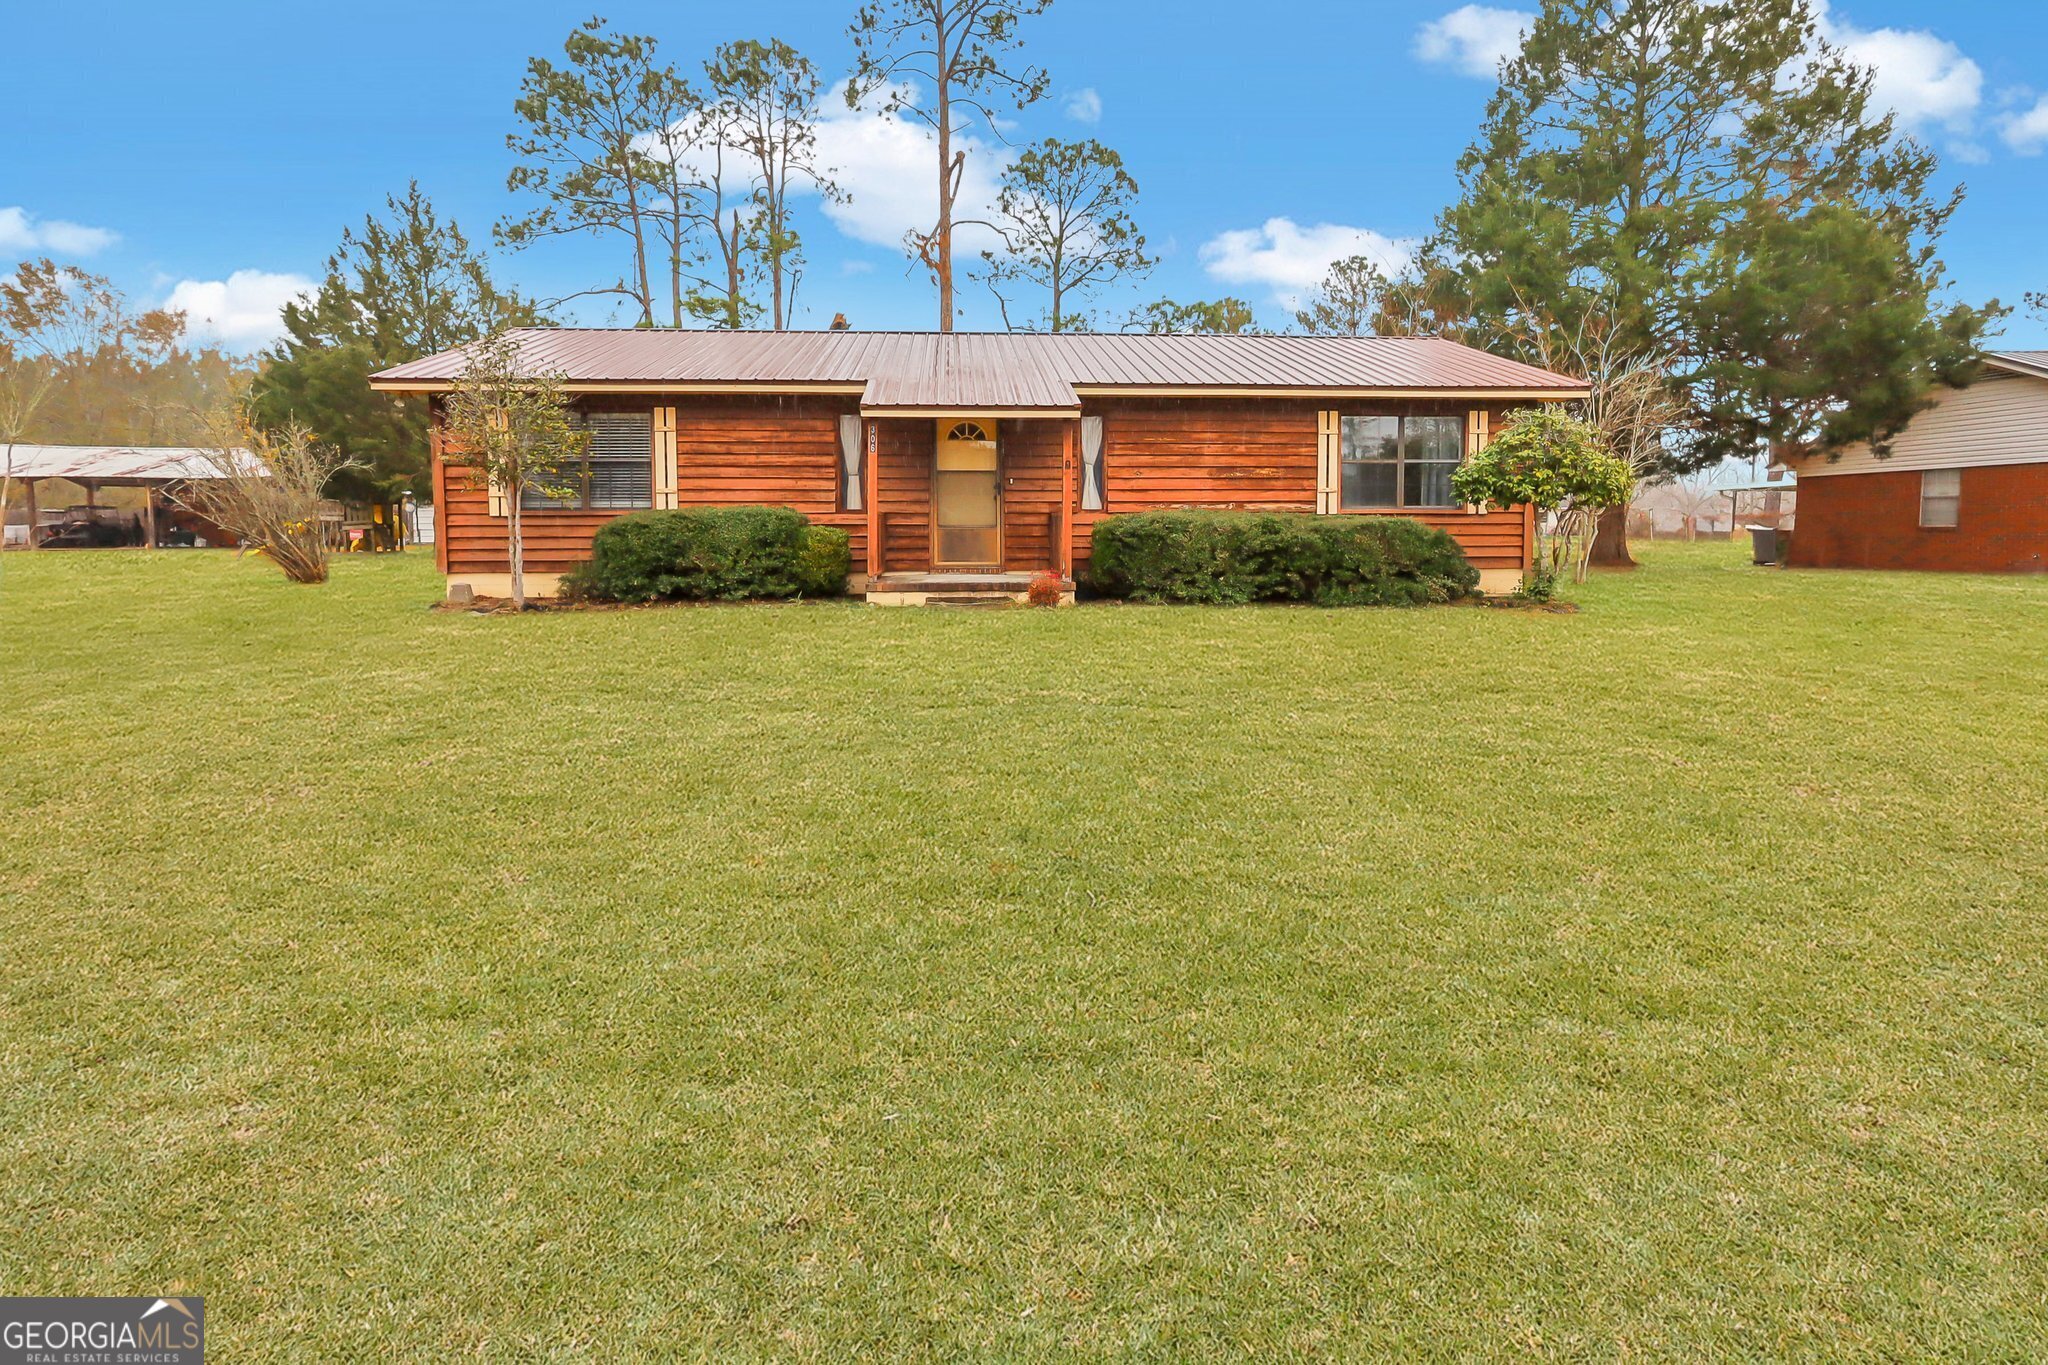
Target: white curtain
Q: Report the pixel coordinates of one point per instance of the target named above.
(851, 451)
(1091, 464)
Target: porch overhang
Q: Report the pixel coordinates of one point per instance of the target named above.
(965, 413)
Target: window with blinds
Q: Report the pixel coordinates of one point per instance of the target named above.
(618, 471)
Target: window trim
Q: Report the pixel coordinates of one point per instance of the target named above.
(1954, 500)
(1400, 462)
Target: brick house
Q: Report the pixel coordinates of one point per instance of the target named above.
(1965, 487)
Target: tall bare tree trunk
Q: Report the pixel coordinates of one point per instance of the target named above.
(943, 256)
(732, 276)
(1610, 540)
(640, 270)
(675, 270)
(943, 247)
(775, 216)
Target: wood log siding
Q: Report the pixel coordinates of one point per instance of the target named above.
(782, 450)
(1260, 455)
(905, 451)
(1031, 491)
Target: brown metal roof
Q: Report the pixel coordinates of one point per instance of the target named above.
(997, 370)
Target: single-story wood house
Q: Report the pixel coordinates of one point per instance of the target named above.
(1965, 486)
(966, 459)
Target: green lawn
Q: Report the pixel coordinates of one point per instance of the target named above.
(1667, 980)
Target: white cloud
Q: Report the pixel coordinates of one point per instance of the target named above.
(22, 231)
(243, 311)
(1084, 105)
(1923, 78)
(1474, 39)
(889, 166)
(1918, 75)
(2026, 131)
(1291, 260)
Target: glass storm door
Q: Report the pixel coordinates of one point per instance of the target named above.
(967, 502)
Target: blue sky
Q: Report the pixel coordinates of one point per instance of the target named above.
(209, 154)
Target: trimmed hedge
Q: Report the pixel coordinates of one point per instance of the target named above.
(712, 554)
(1235, 557)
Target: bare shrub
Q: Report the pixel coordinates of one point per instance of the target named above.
(264, 488)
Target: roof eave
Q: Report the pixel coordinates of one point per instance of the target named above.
(1391, 391)
(825, 389)
(2012, 364)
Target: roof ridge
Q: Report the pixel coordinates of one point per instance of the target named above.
(970, 332)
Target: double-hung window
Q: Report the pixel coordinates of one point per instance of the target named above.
(1401, 461)
(1941, 497)
(617, 471)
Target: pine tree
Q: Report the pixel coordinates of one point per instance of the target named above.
(400, 287)
(1634, 150)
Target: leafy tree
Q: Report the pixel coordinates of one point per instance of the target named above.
(1228, 316)
(768, 96)
(1632, 147)
(404, 285)
(960, 48)
(1347, 303)
(1063, 213)
(1558, 464)
(1823, 336)
(510, 426)
(581, 149)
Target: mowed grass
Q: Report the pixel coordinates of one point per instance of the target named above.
(827, 982)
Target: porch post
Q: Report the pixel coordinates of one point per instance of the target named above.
(438, 462)
(1063, 554)
(149, 516)
(871, 482)
(33, 516)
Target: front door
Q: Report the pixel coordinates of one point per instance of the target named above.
(967, 499)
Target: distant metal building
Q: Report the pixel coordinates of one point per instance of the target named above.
(158, 470)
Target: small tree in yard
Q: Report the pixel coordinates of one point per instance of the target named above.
(265, 490)
(511, 428)
(1562, 467)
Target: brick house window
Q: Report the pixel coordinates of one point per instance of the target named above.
(1941, 497)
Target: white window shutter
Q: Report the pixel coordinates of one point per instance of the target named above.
(1091, 464)
(665, 457)
(1329, 462)
(851, 451)
(500, 421)
(1476, 437)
